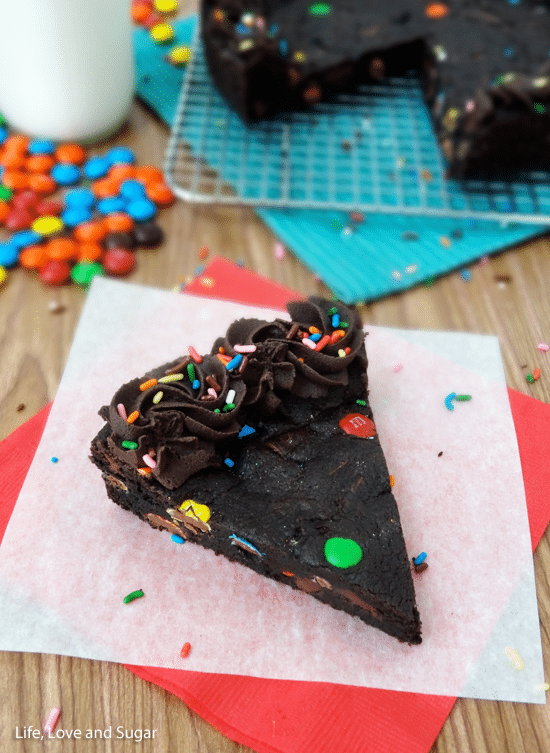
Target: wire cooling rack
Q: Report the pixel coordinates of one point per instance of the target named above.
(372, 151)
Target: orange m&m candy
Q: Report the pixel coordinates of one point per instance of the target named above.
(34, 257)
(71, 153)
(39, 163)
(41, 183)
(118, 173)
(62, 249)
(436, 10)
(140, 11)
(16, 143)
(118, 222)
(12, 160)
(90, 232)
(90, 252)
(160, 193)
(149, 174)
(4, 210)
(15, 179)
(104, 188)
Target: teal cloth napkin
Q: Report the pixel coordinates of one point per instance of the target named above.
(358, 261)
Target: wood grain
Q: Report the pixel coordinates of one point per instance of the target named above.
(34, 345)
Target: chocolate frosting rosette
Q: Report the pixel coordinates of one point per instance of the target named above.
(265, 369)
(169, 422)
(326, 340)
(307, 356)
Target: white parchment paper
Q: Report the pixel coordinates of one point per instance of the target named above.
(70, 555)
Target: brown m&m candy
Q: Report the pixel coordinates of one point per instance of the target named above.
(120, 240)
(148, 234)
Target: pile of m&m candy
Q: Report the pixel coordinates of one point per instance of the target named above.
(72, 216)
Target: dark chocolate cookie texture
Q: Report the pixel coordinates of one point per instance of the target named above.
(483, 66)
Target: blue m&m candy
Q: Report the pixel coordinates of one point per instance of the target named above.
(121, 154)
(24, 238)
(79, 197)
(73, 216)
(65, 174)
(96, 167)
(9, 254)
(111, 204)
(40, 146)
(141, 210)
(132, 189)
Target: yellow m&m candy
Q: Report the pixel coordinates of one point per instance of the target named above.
(47, 225)
(179, 55)
(161, 33)
(195, 510)
(166, 6)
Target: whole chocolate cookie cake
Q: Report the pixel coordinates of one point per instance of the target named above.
(483, 65)
(266, 451)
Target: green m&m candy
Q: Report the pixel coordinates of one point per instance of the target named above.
(343, 552)
(320, 9)
(84, 272)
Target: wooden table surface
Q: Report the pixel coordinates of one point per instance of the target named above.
(34, 344)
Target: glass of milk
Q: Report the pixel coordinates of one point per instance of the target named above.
(66, 67)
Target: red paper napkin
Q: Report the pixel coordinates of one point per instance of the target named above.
(287, 716)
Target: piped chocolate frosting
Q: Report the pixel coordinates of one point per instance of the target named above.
(182, 415)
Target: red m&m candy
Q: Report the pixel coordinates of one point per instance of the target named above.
(55, 272)
(119, 261)
(358, 425)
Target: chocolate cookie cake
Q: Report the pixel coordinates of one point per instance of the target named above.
(483, 65)
(266, 451)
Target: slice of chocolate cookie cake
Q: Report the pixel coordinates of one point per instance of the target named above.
(266, 451)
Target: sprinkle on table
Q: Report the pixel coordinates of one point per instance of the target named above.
(185, 649)
(516, 659)
(449, 401)
(51, 721)
(134, 595)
